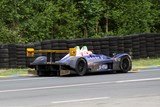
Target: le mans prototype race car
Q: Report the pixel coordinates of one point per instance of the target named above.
(79, 61)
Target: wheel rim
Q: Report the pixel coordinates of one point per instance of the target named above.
(81, 66)
(125, 64)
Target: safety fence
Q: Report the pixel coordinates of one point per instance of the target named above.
(139, 46)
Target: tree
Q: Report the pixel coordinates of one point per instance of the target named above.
(90, 12)
(132, 16)
(156, 23)
(58, 20)
(36, 20)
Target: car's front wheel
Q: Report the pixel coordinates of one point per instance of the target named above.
(125, 64)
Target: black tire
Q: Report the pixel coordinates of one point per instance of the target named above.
(21, 56)
(46, 42)
(81, 67)
(47, 46)
(21, 52)
(40, 73)
(4, 60)
(4, 51)
(37, 44)
(4, 56)
(98, 47)
(125, 64)
(20, 49)
(97, 51)
(4, 65)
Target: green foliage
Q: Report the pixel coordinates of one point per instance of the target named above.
(7, 35)
(132, 16)
(146, 62)
(58, 20)
(156, 12)
(90, 12)
(37, 20)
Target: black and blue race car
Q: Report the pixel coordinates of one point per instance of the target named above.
(79, 61)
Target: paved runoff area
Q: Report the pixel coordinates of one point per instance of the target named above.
(140, 89)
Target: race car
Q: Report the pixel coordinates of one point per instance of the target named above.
(78, 61)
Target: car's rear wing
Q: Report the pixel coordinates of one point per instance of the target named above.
(50, 53)
(32, 51)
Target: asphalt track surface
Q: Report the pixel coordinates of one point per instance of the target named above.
(140, 89)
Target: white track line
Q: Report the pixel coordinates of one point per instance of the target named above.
(138, 80)
(80, 100)
(78, 85)
(53, 87)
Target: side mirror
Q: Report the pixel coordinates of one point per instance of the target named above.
(30, 52)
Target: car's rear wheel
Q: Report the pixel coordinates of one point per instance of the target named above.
(125, 64)
(81, 66)
(42, 72)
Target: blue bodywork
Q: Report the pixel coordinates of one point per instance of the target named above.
(95, 62)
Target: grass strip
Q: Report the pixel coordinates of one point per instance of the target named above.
(13, 72)
(147, 62)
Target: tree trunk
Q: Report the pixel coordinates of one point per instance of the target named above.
(106, 25)
(85, 31)
(97, 27)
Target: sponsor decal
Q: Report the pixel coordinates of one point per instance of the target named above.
(93, 57)
(102, 67)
